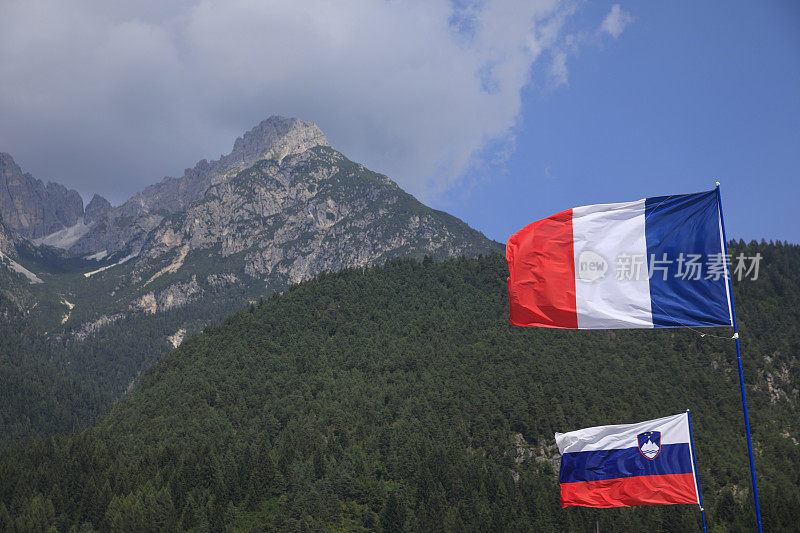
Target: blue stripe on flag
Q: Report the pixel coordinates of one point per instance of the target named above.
(627, 462)
(686, 224)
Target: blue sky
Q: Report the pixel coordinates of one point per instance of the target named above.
(689, 93)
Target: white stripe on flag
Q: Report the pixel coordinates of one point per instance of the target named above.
(674, 430)
(615, 232)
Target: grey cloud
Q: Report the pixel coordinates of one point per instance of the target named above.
(109, 96)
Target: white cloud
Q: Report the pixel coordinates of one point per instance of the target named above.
(616, 21)
(109, 96)
(558, 69)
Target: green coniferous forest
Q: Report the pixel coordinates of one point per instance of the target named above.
(35, 394)
(399, 398)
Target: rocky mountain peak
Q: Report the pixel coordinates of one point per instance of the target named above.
(96, 209)
(9, 170)
(32, 208)
(6, 161)
(276, 138)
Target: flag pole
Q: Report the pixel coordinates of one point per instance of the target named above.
(739, 361)
(696, 473)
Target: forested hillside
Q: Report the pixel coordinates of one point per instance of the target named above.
(399, 398)
(34, 393)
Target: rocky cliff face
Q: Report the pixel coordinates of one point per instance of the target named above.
(6, 241)
(98, 208)
(294, 217)
(274, 138)
(128, 225)
(32, 208)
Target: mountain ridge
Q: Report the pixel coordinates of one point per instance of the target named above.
(274, 137)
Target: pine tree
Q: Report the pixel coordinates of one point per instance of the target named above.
(393, 516)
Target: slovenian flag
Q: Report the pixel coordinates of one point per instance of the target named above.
(657, 262)
(629, 464)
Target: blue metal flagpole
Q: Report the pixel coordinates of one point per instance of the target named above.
(696, 473)
(739, 360)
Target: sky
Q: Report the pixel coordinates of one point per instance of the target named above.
(689, 94)
(499, 112)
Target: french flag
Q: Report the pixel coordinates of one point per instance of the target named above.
(656, 262)
(629, 464)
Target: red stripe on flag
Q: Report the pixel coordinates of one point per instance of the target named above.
(630, 491)
(541, 282)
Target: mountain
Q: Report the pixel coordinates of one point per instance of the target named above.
(128, 225)
(315, 211)
(282, 207)
(297, 185)
(400, 398)
(32, 208)
(96, 209)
